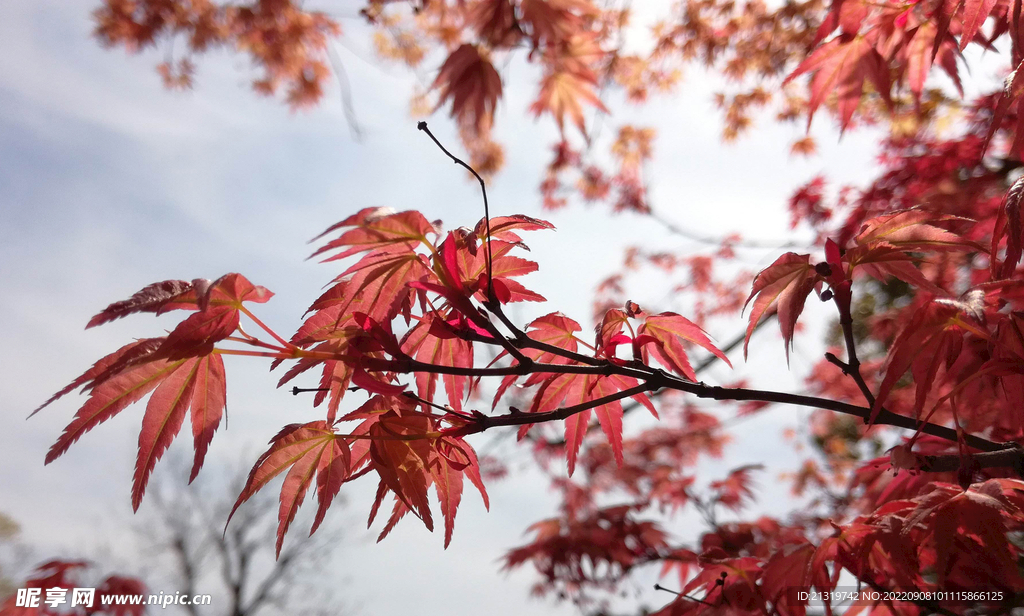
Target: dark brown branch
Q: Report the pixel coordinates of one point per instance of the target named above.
(408, 366)
(884, 417)
(852, 366)
(501, 340)
(496, 338)
(707, 362)
(518, 418)
(659, 379)
(679, 594)
(482, 321)
(522, 341)
(1010, 457)
(495, 308)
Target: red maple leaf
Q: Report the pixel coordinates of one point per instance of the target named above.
(840, 66)
(469, 79)
(781, 288)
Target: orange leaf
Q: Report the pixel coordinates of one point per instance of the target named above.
(562, 93)
(472, 84)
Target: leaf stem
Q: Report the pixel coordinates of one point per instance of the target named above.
(250, 340)
(278, 355)
(852, 363)
(265, 328)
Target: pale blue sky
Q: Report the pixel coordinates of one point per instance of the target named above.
(109, 182)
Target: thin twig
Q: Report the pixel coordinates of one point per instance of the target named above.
(689, 234)
(346, 94)
(684, 596)
(483, 189)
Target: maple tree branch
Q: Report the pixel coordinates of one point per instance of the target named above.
(707, 362)
(519, 418)
(852, 365)
(655, 379)
(491, 298)
(707, 511)
(498, 338)
(530, 343)
(418, 400)
(508, 345)
(885, 417)
(523, 341)
(1010, 457)
(495, 308)
(406, 366)
(853, 371)
(483, 189)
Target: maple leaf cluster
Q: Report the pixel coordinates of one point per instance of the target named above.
(408, 273)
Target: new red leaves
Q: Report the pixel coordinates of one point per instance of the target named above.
(401, 461)
(886, 246)
(579, 390)
(407, 269)
(913, 230)
(159, 297)
(781, 288)
(562, 94)
(373, 228)
(611, 540)
(183, 370)
(665, 333)
(304, 451)
(150, 299)
(668, 331)
(975, 12)
(404, 447)
(735, 489)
